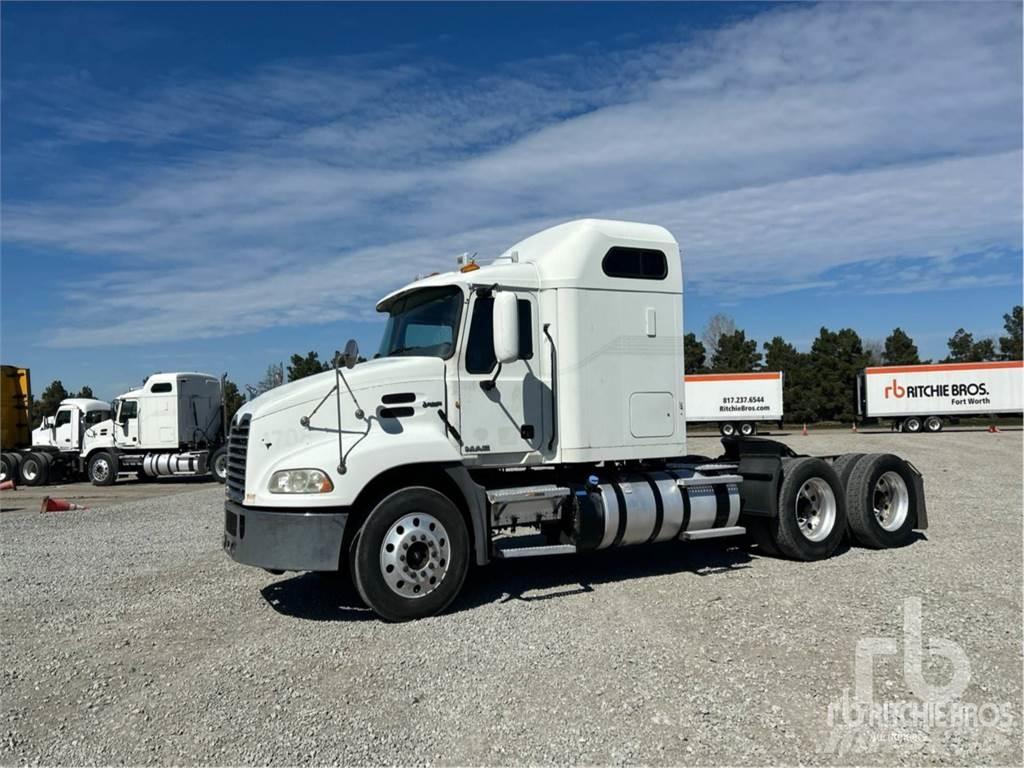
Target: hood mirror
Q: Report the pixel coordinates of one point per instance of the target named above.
(351, 354)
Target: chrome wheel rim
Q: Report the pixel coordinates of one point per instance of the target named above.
(100, 470)
(415, 555)
(728, 430)
(815, 509)
(933, 424)
(29, 470)
(913, 425)
(746, 430)
(220, 466)
(891, 501)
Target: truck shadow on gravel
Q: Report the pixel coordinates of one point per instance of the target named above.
(332, 597)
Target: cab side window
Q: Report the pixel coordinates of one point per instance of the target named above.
(129, 409)
(95, 417)
(63, 417)
(480, 347)
(480, 357)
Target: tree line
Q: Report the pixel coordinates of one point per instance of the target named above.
(821, 384)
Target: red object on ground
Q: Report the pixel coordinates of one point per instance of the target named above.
(804, 430)
(58, 505)
(993, 428)
(8, 485)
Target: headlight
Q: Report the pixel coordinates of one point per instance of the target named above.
(300, 481)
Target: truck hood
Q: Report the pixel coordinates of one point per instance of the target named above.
(384, 371)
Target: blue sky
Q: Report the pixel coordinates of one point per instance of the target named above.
(214, 187)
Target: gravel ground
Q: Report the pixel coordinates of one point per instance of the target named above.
(87, 495)
(128, 637)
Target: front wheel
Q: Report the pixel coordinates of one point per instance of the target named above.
(412, 554)
(102, 469)
(219, 465)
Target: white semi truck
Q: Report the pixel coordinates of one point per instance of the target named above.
(539, 394)
(736, 402)
(172, 425)
(921, 398)
(54, 450)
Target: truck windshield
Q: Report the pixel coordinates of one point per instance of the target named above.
(423, 323)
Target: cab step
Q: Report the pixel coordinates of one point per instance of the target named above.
(506, 553)
(714, 533)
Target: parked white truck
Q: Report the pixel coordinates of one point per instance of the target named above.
(736, 402)
(172, 425)
(921, 398)
(54, 452)
(542, 392)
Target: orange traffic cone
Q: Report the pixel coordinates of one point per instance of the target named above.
(8, 485)
(804, 430)
(993, 428)
(58, 505)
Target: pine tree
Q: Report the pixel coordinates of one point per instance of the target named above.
(301, 367)
(735, 354)
(1010, 344)
(694, 354)
(900, 349)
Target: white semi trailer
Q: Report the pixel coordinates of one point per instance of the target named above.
(736, 402)
(921, 398)
(172, 425)
(542, 393)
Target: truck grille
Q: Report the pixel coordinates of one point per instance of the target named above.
(238, 446)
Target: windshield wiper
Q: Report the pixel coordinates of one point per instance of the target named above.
(400, 350)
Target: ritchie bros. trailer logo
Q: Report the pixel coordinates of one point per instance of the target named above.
(935, 390)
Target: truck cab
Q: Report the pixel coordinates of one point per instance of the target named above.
(542, 391)
(66, 429)
(172, 425)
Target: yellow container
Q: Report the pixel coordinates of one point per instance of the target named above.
(15, 393)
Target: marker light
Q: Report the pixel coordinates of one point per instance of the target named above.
(300, 481)
(471, 267)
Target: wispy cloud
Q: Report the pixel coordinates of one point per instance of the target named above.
(779, 150)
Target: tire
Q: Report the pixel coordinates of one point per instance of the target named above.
(103, 468)
(882, 502)
(6, 467)
(933, 424)
(747, 429)
(911, 424)
(812, 510)
(219, 465)
(843, 465)
(35, 469)
(399, 522)
(728, 429)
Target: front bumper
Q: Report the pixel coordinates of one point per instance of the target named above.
(284, 541)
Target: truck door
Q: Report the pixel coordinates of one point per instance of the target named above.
(65, 429)
(126, 432)
(508, 417)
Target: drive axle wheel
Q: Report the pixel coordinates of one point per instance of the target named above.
(34, 469)
(933, 424)
(812, 510)
(727, 429)
(882, 501)
(219, 465)
(747, 429)
(912, 424)
(412, 555)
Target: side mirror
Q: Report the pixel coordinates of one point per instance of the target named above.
(351, 354)
(506, 327)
